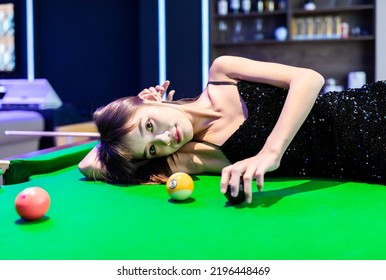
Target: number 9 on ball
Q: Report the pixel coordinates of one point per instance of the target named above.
(180, 186)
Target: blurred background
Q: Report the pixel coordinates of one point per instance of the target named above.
(94, 51)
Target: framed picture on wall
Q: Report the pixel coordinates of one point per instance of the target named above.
(7, 38)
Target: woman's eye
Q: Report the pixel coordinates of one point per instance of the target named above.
(152, 150)
(149, 126)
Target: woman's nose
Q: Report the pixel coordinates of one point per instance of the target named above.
(164, 137)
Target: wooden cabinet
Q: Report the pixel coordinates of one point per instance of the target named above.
(76, 127)
(334, 38)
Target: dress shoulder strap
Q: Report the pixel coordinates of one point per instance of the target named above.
(217, 147)
(221, 83)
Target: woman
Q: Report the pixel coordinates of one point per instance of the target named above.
(241, 126)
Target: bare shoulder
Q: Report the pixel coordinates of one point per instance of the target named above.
(218, 70)
(198, 158)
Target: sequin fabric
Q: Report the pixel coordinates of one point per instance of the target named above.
(343, 137)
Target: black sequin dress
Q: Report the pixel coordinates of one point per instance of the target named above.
(343, 137)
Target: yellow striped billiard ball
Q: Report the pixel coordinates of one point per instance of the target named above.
(180, 186)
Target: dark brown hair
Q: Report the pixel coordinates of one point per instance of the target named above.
(114, 154)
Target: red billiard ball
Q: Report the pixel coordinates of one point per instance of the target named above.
(32, 203)
(180, 186)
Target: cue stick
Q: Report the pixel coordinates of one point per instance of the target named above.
(52, 133)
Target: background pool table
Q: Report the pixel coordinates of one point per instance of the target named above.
(293, 218)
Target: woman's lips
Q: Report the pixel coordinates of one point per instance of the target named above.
(177, 136)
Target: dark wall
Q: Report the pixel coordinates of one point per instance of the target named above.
(183, 45)
(183, 27)
(87, 49)
(148, 42)
(93, 51)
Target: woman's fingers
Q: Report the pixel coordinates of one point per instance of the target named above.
(246, 170)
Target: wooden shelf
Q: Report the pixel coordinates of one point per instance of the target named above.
(333, 58)
(272, 41)
(350, 39)
(335, 10)
(251, 14)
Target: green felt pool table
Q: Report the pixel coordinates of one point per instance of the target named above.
(292, 219)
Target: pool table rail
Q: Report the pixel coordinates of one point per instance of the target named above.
(21, 167)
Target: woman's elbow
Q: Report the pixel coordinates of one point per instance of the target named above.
(84, 168)
(90, 166)
(318, 78)
(87, 170)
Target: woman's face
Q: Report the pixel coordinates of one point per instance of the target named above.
(160, 131)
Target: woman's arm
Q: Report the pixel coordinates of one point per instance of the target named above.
(197, 158)
(303, 86)
(90, 166)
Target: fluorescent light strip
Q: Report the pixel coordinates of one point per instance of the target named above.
(30, 40)
(205, 41)
(161, 41)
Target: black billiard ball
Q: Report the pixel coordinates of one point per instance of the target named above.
(240, 198)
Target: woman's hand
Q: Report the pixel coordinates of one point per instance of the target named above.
(157, 93)
(247, 170)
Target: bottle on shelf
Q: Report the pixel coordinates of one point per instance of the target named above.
(282, 5)
(337, 28)
(246, 6)
(269, 5)
(331, 85)
(235, 6)
(223, 31)
(281, 33)
(356, 79)
(259, 35)
(260, 6)
(237, 35)
(222, 7)
(309, 5)
(345, 30)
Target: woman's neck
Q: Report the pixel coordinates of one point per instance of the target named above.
(201, 115)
